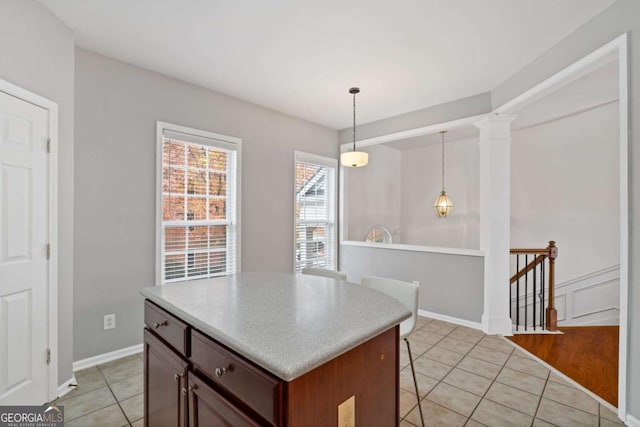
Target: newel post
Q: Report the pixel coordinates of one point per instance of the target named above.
(551, 313)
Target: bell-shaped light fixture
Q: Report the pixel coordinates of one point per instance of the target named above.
(443, 204)
(354, 159)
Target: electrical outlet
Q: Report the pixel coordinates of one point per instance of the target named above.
(347, 413)
(109, 321)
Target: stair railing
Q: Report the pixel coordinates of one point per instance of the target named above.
(534, 273)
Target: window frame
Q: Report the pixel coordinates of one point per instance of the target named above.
(333, 187)
(225, 142)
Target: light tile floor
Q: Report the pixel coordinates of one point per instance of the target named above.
(465, 378)
(108, 395)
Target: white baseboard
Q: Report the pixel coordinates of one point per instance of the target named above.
(106, 357)
(632, 421)
(67, 386)
(445, 318)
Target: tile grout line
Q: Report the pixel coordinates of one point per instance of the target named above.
(87, 392)
(540, 397)
(126, 417)
(422, 354)
(492, 381)
(535, 416)
(452, 368)
(483, 397)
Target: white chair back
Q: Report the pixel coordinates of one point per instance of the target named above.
(325, 273)
(405, 292)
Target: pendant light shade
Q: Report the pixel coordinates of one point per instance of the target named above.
(354, 159)
(443, 203)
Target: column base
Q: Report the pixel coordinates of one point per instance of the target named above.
(497, 325)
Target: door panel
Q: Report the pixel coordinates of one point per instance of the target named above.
(24, 374)
(16, 216)
(17, 330)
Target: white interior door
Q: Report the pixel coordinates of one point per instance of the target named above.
(24, 372)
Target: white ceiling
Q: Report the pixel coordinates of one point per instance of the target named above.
(300, 57)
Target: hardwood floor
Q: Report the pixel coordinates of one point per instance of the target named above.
(587, 354)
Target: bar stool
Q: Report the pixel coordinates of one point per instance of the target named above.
(407, 294)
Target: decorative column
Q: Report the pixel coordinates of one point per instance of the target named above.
(495, 220)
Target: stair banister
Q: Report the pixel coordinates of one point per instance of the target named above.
(540, 255)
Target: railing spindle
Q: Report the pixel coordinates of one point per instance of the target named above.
(526, 290)
(518, 294)
(534, 296)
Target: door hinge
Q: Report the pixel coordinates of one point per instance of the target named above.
(48, 250)
(48, 356)
(48, 145)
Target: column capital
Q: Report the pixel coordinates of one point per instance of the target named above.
(503, 119)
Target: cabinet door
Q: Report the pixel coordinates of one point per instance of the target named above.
(165, 372)
(209, 409)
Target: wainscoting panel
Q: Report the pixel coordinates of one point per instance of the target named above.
(591, 299)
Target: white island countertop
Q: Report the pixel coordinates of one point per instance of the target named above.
(288, 324)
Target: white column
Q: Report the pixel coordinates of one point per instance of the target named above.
(495, 220)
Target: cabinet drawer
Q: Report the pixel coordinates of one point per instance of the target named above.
(209, 409)
(254, 387)
(171, 329)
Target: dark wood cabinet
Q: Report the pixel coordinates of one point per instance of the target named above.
(252, 387)
(207, 408)
(191, 380)
(165, 378)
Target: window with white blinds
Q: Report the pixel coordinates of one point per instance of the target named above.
(199, 227)
(315, 212)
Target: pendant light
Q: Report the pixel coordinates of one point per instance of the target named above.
(443, 204)
(354, 159)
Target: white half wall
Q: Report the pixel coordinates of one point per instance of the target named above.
(450, 284)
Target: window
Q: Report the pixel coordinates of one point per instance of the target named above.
(198, 224)
(315, 212)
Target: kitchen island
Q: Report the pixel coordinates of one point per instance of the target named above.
(270, 349)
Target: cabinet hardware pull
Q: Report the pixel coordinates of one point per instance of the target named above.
(157, 325)
(221, 371)
(188, 389)
(176, 377)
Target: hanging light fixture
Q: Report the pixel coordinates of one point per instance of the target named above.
(354, 159)
(443, 204)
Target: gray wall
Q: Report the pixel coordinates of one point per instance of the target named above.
(622, 16)
(37, 54)
(449, 284)
(117, 106)
(459, 109)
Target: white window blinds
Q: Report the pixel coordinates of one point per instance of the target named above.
(199, 207)
(315, 212)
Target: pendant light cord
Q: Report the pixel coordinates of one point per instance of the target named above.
(354, 121)
(442, 133)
